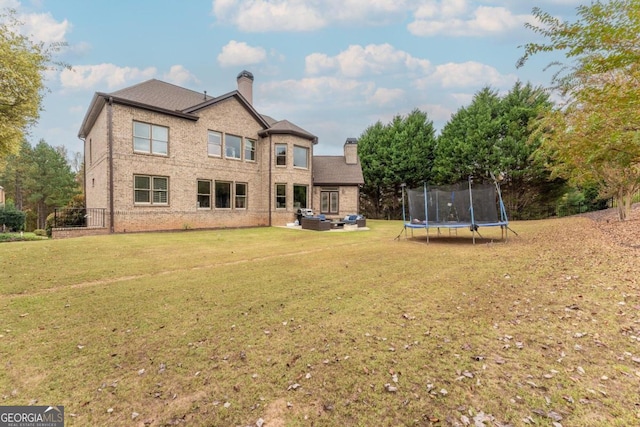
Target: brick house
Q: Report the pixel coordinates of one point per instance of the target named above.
(162, 157)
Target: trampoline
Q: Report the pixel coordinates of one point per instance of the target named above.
(456, 206)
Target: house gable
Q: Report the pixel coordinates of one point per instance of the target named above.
(334, 170)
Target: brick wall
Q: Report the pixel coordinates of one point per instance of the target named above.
(186, 163)
(66, 233)
(347, 203)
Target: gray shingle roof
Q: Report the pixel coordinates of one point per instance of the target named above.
(161, 94)
(334, 170)
(286, 127)
(168, 98)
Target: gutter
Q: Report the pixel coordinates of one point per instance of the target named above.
(110, 145)
(271, 207)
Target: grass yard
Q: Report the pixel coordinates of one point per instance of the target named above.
(279, 327)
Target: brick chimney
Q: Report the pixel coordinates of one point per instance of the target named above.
(245, 85)
(351, 151)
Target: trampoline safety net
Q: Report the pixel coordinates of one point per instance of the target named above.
(457, 205)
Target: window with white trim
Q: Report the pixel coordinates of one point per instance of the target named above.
(300, 157)
(204, 194)
(223, 195)
(214, 143)
(250, 150)
(241, 195)
(150, 190)
(300, 196)
(232, 147)
(150, 139)
(281, 196)
(281, 154)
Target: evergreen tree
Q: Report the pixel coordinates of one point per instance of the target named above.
(50, 181)
(391, 155)
(492, 138)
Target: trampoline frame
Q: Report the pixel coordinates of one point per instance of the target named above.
(473, 225)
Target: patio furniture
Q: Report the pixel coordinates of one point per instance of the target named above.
(314, 223)
(359, 220)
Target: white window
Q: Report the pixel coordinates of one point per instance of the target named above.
(204, 194)
(214, 144)
(150, 190)
(232, 147)
(281, 154)
(300, 196)
(250, 150)
(281, 196)
(241, 195)
(223, 195)
(151, 139)
(300, 157)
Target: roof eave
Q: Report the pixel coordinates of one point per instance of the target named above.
(229, 95)
(92, 115)
(153, 108)
(101, 98)
(267, 132)
(339, 184)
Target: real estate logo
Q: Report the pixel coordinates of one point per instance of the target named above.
(31, 416)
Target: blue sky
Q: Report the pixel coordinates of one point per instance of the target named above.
(333, 67)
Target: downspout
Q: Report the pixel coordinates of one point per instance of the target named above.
(270, 178)
(84, 171)
(110, 144)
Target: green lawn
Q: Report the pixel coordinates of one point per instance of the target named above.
(297, 328)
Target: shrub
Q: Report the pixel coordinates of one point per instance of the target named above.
(12, 218)
(40, 232)
(49, 224)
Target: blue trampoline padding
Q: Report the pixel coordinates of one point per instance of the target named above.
(453, 224)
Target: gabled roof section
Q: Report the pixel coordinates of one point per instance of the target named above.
(269, 120)
(286, 127)
(161, 94)
(218, 99)
(153, 95)
(334, 170)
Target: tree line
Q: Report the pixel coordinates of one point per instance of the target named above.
(39, 179)
(491, 137)
(585, 148)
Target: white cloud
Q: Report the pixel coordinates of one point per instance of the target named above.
(9, 4)
(239, 53)
(305, 15)
(358, 61)
(384, 96)
(316, 89)
(269, 15)
(42, 27)
(317, 63)
(223, 8)
(39, 27)
(78, 49)
(97, 76)
(466, 74)
(179, 75)
(457, 18)
(437, 112)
